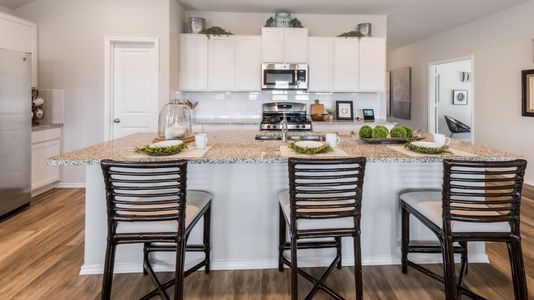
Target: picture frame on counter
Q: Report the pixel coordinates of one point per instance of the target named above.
(527, 95)
(344, 110)
(459, 97)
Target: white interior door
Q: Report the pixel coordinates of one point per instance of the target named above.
(134, 88)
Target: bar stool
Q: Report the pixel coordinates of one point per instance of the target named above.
(323, 201)
(147, 203)
(479, 202)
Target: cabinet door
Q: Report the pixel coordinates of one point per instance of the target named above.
(295, 45)
(346, 65)
(272, 45)
(193, 62)
(321, 64)
(247, 65)
(221, 64)
(43, 175)
(372, 64)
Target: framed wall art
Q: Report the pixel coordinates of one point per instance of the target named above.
(527, 83)
(344, 110)
(459, 97)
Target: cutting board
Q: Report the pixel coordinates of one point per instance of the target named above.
(316, 108)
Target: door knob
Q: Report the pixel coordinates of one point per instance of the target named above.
(116, 120)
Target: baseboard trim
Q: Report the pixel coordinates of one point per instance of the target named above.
(97, 269)
(71, 185)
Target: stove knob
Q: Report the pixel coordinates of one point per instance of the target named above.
(268, 126)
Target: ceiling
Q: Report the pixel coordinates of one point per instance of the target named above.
(12, 4)
(408, 20)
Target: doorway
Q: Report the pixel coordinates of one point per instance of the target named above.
(131, 86)
(451, 98)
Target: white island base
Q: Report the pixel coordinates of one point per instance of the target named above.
(245, 218)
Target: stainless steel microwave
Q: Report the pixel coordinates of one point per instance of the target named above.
(284, 77)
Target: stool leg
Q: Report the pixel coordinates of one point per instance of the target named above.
(358, 278)
(405, 239)
(518, 270)
(338, 251)
(207, 239)
(448, 270)
(146, 259)
(281, 238)
(294, 271)
(108, 271)
(179, 272)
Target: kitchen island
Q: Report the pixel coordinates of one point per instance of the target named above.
(245, 176)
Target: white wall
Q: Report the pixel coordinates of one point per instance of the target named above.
(450, 79)
(71, 57)
(317, 24)
(176, 25)
(502, 47)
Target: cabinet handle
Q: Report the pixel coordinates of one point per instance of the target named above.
(116, 120)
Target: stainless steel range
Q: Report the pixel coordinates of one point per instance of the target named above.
(295, 112)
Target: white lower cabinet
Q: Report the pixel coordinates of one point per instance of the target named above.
(45, 144)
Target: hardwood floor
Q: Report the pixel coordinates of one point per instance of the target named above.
(41, 251)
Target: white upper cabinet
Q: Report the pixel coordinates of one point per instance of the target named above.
(321, 64)
(295, 45)
(247, 67)
(372, 65)
(193, 62)
(346, 64)
(284, 45)
(19, 35)
(221, 63)
(272, 45)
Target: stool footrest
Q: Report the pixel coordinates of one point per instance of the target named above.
(312, 245)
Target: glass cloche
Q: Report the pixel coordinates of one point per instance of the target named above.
(174, 120)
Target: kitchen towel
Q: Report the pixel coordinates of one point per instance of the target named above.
(288, 152)
(454, 152)
(189, 153)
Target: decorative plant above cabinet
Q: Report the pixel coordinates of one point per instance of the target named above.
(283, 19)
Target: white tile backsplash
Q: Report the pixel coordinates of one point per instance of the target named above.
(248, 105)
(54, 105)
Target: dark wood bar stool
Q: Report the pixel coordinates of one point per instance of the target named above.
(479, 202)
(323, 201)
(147, 203)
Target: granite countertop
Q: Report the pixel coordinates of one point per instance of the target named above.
(241, 147)
(352, 122)
(45, 126)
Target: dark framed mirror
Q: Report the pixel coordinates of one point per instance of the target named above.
(527, 80)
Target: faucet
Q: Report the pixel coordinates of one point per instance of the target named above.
(283, 126)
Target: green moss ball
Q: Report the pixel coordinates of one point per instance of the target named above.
(409, 131)
(380, 132)
(399, 132)
(366, 131)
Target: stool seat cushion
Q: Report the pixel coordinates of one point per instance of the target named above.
(429, 204)
(311, 224)
(196, 201)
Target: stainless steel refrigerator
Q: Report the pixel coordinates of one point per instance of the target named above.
(15, 130)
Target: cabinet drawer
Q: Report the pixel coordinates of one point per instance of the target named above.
(46, 135)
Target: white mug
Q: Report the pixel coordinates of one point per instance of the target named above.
(201, 140)
(440, 139)
(332, 139)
